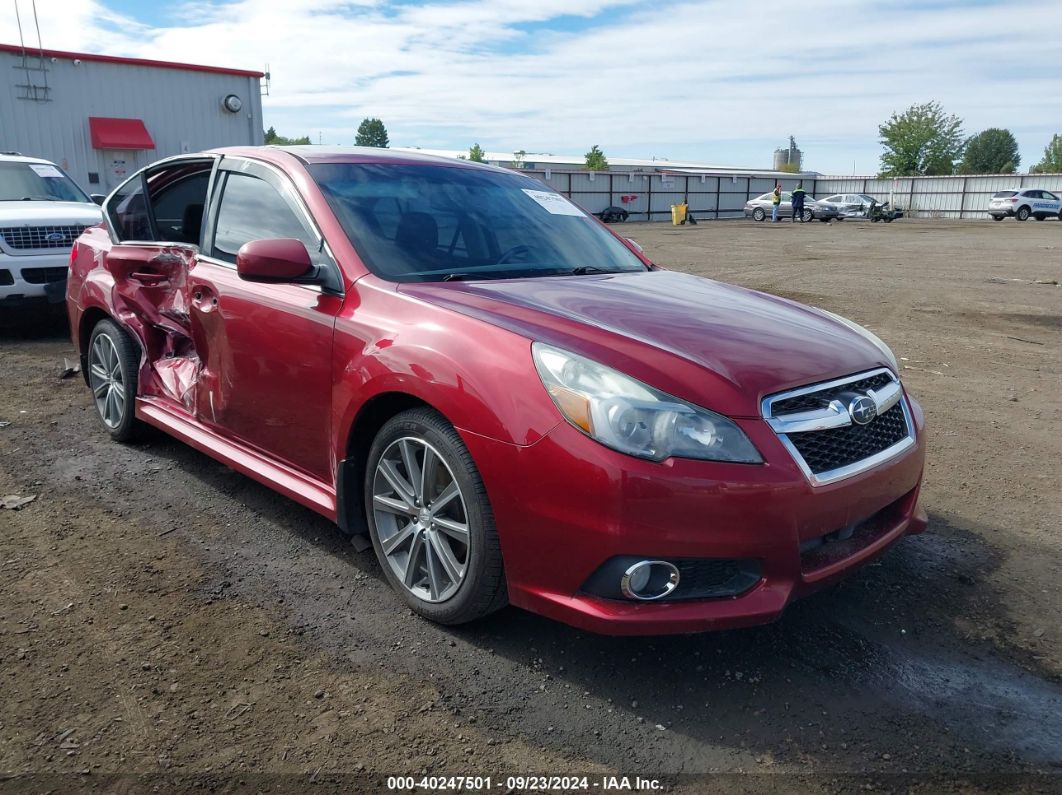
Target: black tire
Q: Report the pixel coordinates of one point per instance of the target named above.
(807, 216)
(759, 214)
(1023, 214)
(128, 427)
(824, 220)
(483, 589)
(888, 219)
(997, 217)
(1040, 217)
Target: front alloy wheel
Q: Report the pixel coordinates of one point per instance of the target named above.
(759, 214)
(421, 519)
(430, 520)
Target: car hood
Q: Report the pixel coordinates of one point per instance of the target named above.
(37, 213)
(720, 346)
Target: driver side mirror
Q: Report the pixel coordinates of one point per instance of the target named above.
(274, 261)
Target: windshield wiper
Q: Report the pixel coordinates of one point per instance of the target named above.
(460, 277)
(583, 270)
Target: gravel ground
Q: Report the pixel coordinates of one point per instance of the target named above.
(167, 622)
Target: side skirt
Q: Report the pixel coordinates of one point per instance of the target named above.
(303, 489)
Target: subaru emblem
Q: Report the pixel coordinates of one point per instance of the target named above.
(862, 410)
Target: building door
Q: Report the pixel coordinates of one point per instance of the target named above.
(116, 166)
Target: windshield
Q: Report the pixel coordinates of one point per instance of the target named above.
(431, 223)
(21, 181)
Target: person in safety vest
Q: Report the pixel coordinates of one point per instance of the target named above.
(776, 200)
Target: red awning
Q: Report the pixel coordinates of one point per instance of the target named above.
(119, 134)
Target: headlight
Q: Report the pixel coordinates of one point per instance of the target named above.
(628, 416)
(869, 335)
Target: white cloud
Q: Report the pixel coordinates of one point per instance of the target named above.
(686, 79)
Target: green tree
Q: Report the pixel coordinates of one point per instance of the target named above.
(993, 151)
(1052, 162)
(475, 154)
(596, 160)
(371, 132)
(272, 138)
(921, 141)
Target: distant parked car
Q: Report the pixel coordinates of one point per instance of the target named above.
(613, 215)
(851, 205)
(1023, 204)
(42, 212)
(760, 208)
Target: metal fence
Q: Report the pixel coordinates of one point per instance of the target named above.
(649, 196)
(938, 197)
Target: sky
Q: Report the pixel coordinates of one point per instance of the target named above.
(715, 81)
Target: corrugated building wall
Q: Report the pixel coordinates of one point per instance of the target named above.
(46, 102)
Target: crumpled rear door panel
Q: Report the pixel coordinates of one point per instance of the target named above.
(151, 294)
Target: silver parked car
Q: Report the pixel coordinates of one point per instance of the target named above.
(760, 208)
(852, 205)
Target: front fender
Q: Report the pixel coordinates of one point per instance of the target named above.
(480, 377)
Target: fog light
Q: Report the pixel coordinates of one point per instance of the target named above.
(649, 579)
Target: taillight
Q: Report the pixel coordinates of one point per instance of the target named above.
(1014, 200)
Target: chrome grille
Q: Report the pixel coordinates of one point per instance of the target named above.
(838, 447)
(41, 237)
(815, 423)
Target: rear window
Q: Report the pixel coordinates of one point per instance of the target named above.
(1004, 194)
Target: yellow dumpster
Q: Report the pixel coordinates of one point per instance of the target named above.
(678, 213)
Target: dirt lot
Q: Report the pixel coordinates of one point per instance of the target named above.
(166, 621)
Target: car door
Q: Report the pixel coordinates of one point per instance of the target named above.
(149, 260)
(266, 348)
(1053, 202)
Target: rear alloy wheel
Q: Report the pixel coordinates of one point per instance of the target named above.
(1023, 214)
(430, 521)
(758, 214)
(112, 376)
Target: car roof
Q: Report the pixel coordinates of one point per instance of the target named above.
(349, 154)
(10, 157)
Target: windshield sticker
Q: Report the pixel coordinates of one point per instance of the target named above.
(554, 203)
(42, 170)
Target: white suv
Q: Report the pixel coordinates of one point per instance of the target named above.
(42, 212)
(1022, 204)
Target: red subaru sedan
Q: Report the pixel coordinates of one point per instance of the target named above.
(509, 401)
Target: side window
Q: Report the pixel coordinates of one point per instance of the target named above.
(835, 199)
(177, 201)
(252, 209)
(1033, 194)
(127, 212)
(1049, 195)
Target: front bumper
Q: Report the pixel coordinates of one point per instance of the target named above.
(34, 278)
(566, 505)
